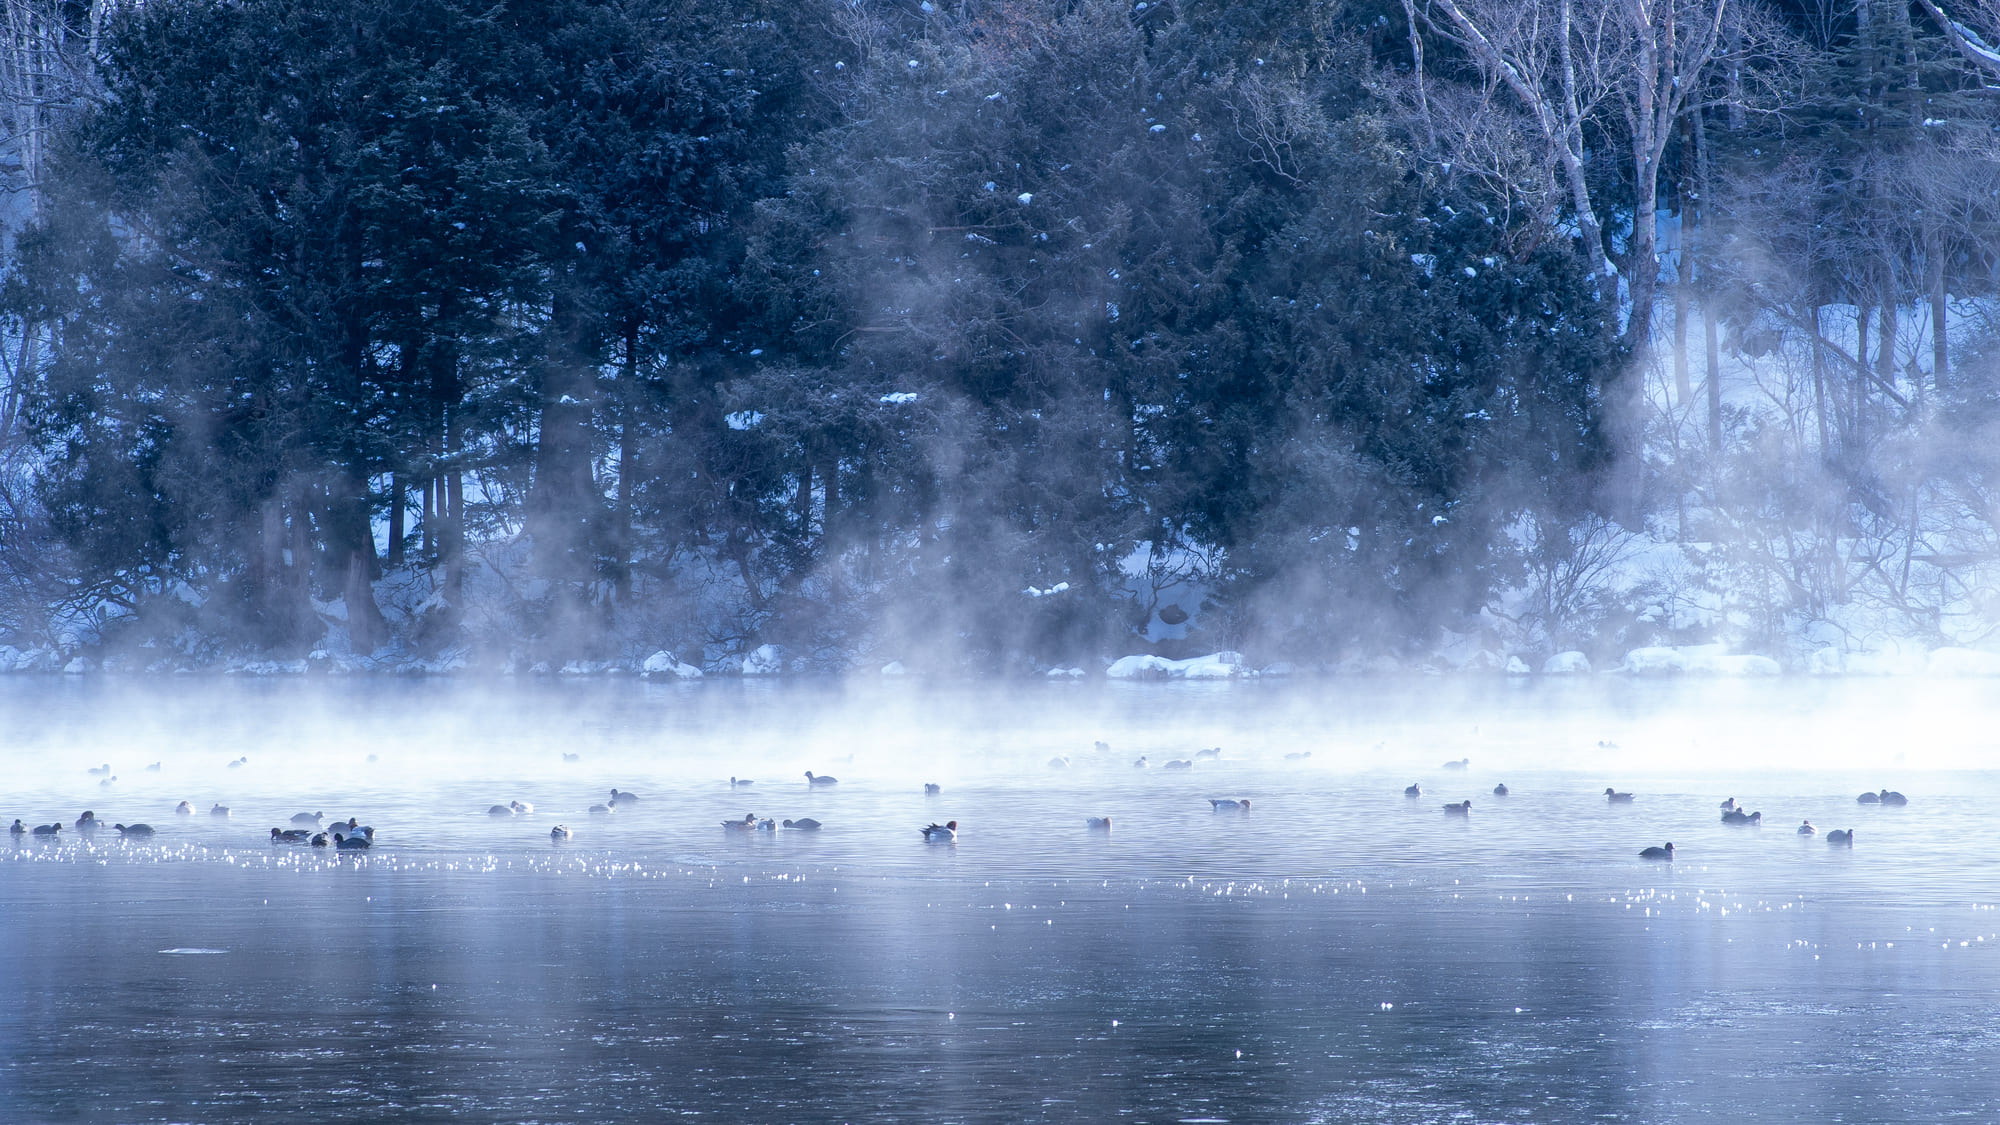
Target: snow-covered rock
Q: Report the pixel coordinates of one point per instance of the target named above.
(664, 664)
(895, 668)
(765, 660)
(1825, 661)
(1064, 673)
(1963, 662)
(1214, 666)
(1516, 666)
(1571, 663)
(1888, 657)
(79, 666)
(1698, 660)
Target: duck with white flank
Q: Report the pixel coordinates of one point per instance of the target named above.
(1098, 824)
(1413, 790)
(602, 810)
(1463, 808)
(560, 834)
(496, 811)
(748, 822)
(308, 817)
(819, 781)
(1229, 804)
(1807, 829)
(183, 809)
(1658, 853)
(19, 829)
(946, 833)
(353, 827)
(803, 824)
(87, 822)
(1841, 837)
(1613, 796)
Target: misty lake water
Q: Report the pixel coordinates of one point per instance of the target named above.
(1340, 953)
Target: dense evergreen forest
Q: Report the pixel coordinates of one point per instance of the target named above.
(996, 335)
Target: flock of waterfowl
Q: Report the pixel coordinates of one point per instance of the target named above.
(351, 835)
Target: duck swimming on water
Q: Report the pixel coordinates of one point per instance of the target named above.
(219, 810)
(816, 782)
(946, 833)
(1739, 817)
(1229, 804)
(1500, 790)
(46, 830)
(134, 831)
(1413, 790)
(1614, 797)
(1098, 824)
(803, 824)
(184, 809)
(289, 835)
(346, 843)
(618, 798)
(1658, 853)
(1807, 829)
(560, 834)
(932, 789)
(1463, 808)
(19, 829)
(1841, 837)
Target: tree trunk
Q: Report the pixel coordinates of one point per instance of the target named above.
(1714, 357)
(562, 499)
(398, 511)
(1940, 342)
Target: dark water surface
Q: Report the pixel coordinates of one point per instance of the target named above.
(1341, 954)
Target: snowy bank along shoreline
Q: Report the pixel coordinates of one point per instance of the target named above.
(1709, 660)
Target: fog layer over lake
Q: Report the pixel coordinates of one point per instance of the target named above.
(1340, 952)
